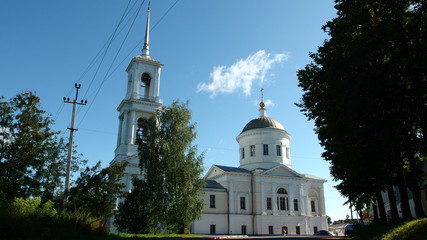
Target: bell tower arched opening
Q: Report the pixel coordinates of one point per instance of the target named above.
(141, 130)
(145, 86)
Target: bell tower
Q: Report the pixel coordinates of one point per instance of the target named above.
(141, 99)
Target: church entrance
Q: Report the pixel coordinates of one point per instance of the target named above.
(285, 230)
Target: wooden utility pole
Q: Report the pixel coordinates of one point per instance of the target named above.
(70, 143)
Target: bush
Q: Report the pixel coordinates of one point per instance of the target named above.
(413, 230)
(32, 219)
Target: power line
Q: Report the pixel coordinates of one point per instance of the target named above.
(109, 72)
(164, 15)
(140, 42)
(94, 60)
(108, 43)
(114, 59)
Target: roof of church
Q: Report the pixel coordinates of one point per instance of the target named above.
(212, 184)
(263, 122)
(233, 169)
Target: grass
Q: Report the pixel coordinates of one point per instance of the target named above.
(152, 236)
(411, 230)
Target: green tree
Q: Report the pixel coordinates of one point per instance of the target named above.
(172, 173)
(96, 190)
(31, 154)
(139, 212)
(366, 92)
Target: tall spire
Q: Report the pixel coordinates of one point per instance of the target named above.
(146, 49)
(262, 110)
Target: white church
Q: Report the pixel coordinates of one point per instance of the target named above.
(263, 196)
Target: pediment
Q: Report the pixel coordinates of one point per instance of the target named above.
(213, 172)
(282, 171)
(217, 170)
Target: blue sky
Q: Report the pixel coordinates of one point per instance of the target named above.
(216, 54)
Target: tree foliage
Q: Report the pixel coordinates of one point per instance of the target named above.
(366, 90)
(31, 154)
(171, 183)
(96, 190)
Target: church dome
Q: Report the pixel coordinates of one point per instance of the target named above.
(263, 122)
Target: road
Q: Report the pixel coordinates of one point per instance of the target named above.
(271, 237)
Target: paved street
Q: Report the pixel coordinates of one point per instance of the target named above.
(271, 237)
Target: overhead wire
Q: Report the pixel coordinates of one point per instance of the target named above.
(98, 89)
(127, 56)
(109, 42)
(94, 60)
(140, 42)
(100, 56)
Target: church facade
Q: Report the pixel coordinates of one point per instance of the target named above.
(263, 196)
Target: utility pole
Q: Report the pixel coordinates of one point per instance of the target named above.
(70, 144)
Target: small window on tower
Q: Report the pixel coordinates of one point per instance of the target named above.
(265, 149)
(252, 150)
(279, 150)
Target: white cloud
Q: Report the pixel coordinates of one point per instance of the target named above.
(269, 103)
(242, 74)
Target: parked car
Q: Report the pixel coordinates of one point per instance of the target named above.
(324, 232)
(349, 228)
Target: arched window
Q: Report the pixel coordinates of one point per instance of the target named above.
(282, 200)
(140, 131)
(281, 191)
(145, 86)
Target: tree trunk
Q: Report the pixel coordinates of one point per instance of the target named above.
(415, 188)
(381, 208)
(375, 210)
(404, 201)
(393, 204)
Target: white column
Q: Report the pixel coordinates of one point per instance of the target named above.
(231, 198)
(136, 84)
(132, 128)
(303, 200)
(157, 85)
(263, 200)
(291, 201)
(124, 127)
(274, 200)
(119, 134)
(322, 202)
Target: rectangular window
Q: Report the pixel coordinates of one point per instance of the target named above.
(212, 201)
(269, 203)
(252, 150)
(242, 203)
(315, 230)
(313, 206)
(270, 230)
(296, 205)
(265, 149)
(213, 229)
(243, 229)
(297, 230)
(287, 203)
(279, 150)
(243, 153)
(282, 203)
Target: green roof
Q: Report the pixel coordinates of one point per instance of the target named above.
(263, 122)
